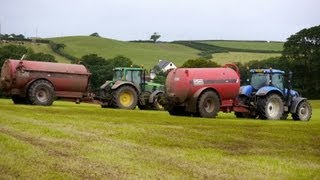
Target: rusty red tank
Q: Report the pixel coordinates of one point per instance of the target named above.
(39, 83)
(201, 91)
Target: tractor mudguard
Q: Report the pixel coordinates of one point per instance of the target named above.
(265, 90)
(120, 83)
(154, 93)
(295, 103)
(193, 101)
(106, 84)
(246, 90)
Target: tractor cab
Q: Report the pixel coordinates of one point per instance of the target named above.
(267, 77)
(133, 75)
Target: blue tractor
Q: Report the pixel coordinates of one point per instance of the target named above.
(269, 96)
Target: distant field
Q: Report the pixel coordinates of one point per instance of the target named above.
(69, 141)
(147, 54)
(242, 57)
(273, 46)
(42, 47)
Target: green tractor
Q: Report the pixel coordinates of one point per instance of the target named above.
(129, 89)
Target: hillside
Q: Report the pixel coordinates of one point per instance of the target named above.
(85, 141)
(41, 47)
(147, 54)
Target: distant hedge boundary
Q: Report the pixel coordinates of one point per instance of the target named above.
(207, 49)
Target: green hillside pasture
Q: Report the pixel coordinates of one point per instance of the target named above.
(223, 58)
(87, 142)
(42, 47)
(147, 54)
(248, 45)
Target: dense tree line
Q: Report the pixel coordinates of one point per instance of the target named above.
(102, 69)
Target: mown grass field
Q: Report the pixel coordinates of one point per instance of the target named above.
(252, 45)
(41, 47)
(147, 54)
(69, 141)
(243, 57)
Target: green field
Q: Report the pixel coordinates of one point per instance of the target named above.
(223, 58)
(251, 45)
(147, 54)
(69, 141)
(41, 47)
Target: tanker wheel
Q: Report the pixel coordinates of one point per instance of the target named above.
(271, 107)
(125, 97)
(41, 92)
(208, 104)
(19, 100)
(303, 111)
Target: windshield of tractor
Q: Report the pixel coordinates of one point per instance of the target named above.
(259, 80)
(277, 81)
(117, 75)
(134, 76)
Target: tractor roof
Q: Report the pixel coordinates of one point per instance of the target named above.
(267, 71)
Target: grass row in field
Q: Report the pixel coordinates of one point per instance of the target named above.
(243, 57)
(85, 141)
(40, 47)
(147, 54)
(248, 45)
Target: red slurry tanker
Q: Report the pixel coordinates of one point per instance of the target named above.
(202, 91)
(39, 83)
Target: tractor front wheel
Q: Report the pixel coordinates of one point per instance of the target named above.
(125, 97)
(303, 112)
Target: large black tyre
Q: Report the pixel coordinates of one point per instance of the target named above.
(271, 107)
(178, 111)
(143, 103)
(125, 97)
(41, 92)
(208, 104)
(19, 100)
(303, 112)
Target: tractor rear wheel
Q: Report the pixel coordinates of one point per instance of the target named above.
(270, 107)
(208, 104)
(303, 111)
(41, 92)
(125, 97)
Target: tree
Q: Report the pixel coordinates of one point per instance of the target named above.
(199, 63)
(303, 51)
(41, 57)
(11, 51)
(95, 34)
(155, 36)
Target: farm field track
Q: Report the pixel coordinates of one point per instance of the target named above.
(70, 141)
(243, 57)
(147, 54)
(41, 47)
(247, 45)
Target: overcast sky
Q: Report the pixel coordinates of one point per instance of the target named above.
(173, 19)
